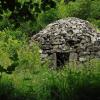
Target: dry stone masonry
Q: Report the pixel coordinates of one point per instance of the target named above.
(68, 39)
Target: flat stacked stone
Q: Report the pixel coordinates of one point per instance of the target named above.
(67, 35)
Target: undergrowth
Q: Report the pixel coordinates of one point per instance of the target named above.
(70, 83)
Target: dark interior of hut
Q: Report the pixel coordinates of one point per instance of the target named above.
(62, 58)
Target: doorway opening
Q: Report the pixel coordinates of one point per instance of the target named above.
(62, 58)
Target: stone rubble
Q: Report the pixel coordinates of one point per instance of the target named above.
(68, 35)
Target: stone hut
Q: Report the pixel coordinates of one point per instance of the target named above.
(66, 39)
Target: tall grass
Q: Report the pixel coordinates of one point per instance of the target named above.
(70, 83)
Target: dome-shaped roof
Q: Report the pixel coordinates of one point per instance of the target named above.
(65, 34)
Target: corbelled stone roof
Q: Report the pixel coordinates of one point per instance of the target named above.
(65, 35)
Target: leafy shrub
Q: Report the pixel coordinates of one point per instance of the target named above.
(84, 9)
(70, 83)
(95, 10)
(80, 9)
(30, 17)
(47, 17)
(28, 79)
(4, 21)
(95, 22)
(62, 10)
(15, 51)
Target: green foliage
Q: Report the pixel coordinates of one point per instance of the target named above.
(70, 83)
(47, 17)
(68, 10)
(95, 22)
(80, 9)
(95, 10)
(30, 16)
(84, 9)
(15, 51)
(4, 21)
(28, 79)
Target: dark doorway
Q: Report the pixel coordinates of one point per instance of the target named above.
(62, 58)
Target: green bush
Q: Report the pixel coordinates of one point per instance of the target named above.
(80, 9)
(71, 83)
(95, 22)
(15, 51)
(4, 21)
(84, 9)
(95, 10)
(22, 76)
(47, 17)
(34, 18)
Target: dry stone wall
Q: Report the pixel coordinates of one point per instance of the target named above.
(68, 35)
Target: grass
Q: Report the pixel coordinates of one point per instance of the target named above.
(69, 83)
